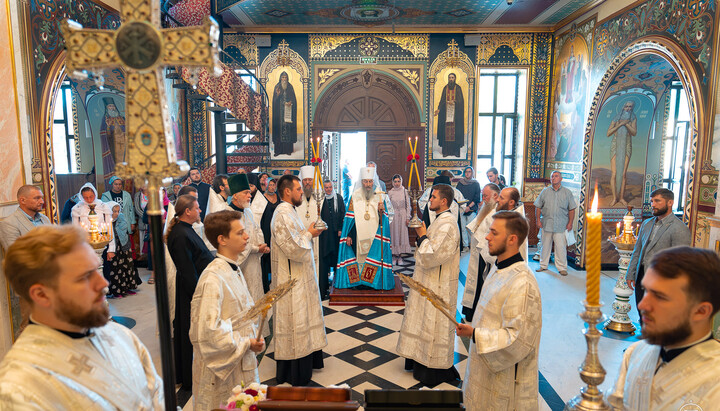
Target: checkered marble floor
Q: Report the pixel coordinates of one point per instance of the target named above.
(361, 348)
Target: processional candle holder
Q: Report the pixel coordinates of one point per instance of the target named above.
(624, 244)
(318, 193)
(415, 194)
(99, 234)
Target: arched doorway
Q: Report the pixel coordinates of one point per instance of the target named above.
(378, 104)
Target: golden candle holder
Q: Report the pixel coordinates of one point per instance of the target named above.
(591, 372)
(318, 193)
(99, 234)
(415, 194)
(624, 244)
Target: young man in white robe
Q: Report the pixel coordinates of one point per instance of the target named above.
(70, 357)
(677, 364)
(249, 259)
(298, 325)
(219, 194)
(502, 368)
(308, 209)
(426, 336)
(224, 347)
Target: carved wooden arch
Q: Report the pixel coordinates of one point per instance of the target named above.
(366, 99)
(690, 79)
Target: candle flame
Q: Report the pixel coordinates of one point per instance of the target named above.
(595, 201)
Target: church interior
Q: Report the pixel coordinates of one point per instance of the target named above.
(539, 86)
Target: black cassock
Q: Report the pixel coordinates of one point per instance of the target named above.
(190, 256)
(451, 136)
(265, 221)
(330, 240)
(203, 189)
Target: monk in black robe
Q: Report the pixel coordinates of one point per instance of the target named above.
(451, 134)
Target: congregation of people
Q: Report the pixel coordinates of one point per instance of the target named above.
(229, 242)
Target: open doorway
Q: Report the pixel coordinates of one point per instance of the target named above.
(353, 148)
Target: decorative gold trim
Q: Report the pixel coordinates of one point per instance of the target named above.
(389, 30)
(15, 92)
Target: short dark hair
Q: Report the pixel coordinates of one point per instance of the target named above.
(187, 190)
(447, 173)
(514, 194)
(492, 170)
(286, 182)
(515, 223)
(494, 187)
(218, 224)
(193, 168)
(702, 268)
(445, 191)
(664, 193)
(218, 181)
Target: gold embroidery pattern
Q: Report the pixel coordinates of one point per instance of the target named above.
(325, 74)
(521, 44)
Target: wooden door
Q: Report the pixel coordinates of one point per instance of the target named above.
(389, 149)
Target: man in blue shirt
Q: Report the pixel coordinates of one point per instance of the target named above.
(555, 213)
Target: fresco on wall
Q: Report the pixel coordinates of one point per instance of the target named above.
(287, 114)
(570, 88)
(623, 125)
(106, 115)
(174, 97)
(452, 121)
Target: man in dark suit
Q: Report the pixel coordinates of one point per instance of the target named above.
(333, 213)
(662, 231)
(202, 188)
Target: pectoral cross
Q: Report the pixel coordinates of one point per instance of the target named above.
(143, 50)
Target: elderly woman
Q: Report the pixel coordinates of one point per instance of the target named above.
(470, 189)
(398, 227)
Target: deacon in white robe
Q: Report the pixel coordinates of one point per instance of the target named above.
(426, 335)
(502, 369)
(308, 210)
(299, 329)
(110, 369)
(249, 259)
(224, 346)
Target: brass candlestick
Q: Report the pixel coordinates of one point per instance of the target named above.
(591, 372)
(415, 194)
(624, 244)
(318, 193)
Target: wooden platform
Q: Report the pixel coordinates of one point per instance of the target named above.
(351, 296)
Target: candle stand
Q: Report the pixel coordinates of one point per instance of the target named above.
(624, 244)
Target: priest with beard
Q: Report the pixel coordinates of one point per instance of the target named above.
(365, 255)
(426, 336)
(71, 356)
(677, 364)
(451, 118)
(112, 137)
(298, 325)
(284, 116)
(308, 210)
(502, 368)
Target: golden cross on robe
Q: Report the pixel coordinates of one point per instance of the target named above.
(143, 50)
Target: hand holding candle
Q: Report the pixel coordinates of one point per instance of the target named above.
(592, 253)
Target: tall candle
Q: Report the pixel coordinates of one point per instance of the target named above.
(592, 253)
(617, 230)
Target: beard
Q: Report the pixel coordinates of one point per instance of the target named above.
(308, 191)
(368, 193)
(486, 209)
(499, 250)
(660, 211)
(669, 337)
(296, 203)
(70, 312)
(112, 112)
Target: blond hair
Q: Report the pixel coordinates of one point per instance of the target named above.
(32, 258)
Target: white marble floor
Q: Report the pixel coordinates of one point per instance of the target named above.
(363, 358)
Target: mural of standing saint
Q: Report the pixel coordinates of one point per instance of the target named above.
(622, 129)
(284, 116)
(451, 118)
(112, 137)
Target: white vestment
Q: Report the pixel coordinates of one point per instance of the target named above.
(109, 370)
(426, 335)
(502, 368)
(258, 206)
(222, 357)
(365, 229)
(298, 324)
(216, 203)
(690, 378)
(454, 208)
(307, 212)
(479, 249)
(249, 260)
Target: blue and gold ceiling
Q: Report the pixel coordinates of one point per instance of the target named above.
(449, 15)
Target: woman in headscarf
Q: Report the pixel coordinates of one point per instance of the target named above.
(120, 270)
(470, 189)
(398, 226)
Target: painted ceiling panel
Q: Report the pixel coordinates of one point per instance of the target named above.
(379, 13)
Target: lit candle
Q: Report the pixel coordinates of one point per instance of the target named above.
(592, 253)
(617, 230)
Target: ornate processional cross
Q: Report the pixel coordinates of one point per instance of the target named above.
(143, 50)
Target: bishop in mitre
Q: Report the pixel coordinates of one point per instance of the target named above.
(308, 210)
(224, 346)
(70, 357)
(364, 255)
(502, 368)
(298, 325)
(427, 339)
(676, 366)
(249, 258)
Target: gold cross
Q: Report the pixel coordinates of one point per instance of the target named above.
(452, 44)
(80, 364)
(143, 50)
